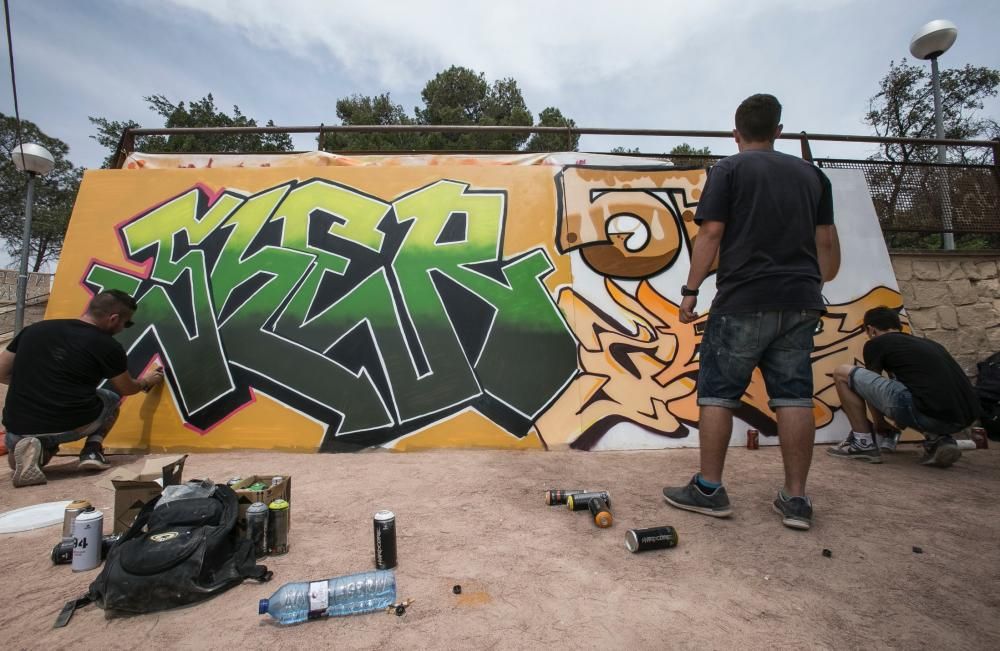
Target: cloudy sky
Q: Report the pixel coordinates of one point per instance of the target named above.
(630, 64)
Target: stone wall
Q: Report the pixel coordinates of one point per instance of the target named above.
(954, 299)
(39, 285)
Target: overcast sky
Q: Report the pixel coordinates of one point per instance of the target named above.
(652, 64)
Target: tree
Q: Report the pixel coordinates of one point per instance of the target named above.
(378, 110)
(54, 194)
(199, 113)
(553, 117)
(904, 108)
(684, 155)
(463, 97)
(456, 96)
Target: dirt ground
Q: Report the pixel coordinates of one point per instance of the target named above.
(535, 576)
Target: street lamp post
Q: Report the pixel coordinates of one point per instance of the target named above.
(931, 41)
(35, 160)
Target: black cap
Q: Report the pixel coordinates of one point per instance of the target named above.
(457, 589)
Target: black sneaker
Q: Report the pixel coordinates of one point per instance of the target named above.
(795, 512)
(92, 457)
(941, 453)
(851, 448)
(28, 463)
(691, 498)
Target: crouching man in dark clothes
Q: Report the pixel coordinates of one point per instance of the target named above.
(53, 369)
(928, 392)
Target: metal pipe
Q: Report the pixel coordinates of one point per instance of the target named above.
(947, 237)
(22, 276)
(593, 131)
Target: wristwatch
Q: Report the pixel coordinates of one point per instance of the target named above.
(688, 292)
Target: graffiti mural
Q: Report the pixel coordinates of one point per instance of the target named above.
(514, 305)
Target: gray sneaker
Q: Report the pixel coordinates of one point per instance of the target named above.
(941, 453)
(28, 463)
(691, 498)
(887, 442)
(851, 448)
(795, 512)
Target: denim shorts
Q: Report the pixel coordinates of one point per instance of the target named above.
(892, 398)
(110, 405)
(779, 342)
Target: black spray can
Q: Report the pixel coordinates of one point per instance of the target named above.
(580, 501)
(558, 496)
(277, 527)
(62, 553)
(257, 517)
(385, 540)
(640, 540)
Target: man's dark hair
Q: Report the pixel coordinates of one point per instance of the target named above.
(757, 117)
(883, 318)
(111, 301)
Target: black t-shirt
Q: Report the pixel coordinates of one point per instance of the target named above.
(58, 365)
(771, 204)
(939, 386)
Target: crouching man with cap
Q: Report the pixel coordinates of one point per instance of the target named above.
(54, 369)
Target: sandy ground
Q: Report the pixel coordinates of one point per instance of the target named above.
(534, 576)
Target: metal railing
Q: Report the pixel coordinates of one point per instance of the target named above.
(908, 197)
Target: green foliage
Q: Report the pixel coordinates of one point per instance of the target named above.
(553, 117)
(904, 107)
(684, 155)
(54, 194)
(199, 113)
(456, 96)
(378, 110)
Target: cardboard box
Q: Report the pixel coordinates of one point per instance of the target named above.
(133, 489)
(281, 490)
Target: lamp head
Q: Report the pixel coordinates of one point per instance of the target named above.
(933, 39)
(33, 159)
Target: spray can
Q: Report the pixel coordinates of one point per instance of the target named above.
(62, 553)
(87, 532)
(73, 509)
(753, 439)
(385, 540)
(277, 527)
(641, 540)
(602, 514)
(558, 496)
(980, 438)
(257, 517)
(579, 501)
(277, 480)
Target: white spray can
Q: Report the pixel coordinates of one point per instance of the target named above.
(87, 532)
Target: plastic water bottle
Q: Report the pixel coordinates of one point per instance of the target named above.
(344, 595)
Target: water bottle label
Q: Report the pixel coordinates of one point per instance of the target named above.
(319, 596)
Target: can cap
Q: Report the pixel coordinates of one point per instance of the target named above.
(87, 516)
(278, 505)
(262, 606)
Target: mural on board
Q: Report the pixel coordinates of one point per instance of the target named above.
(523, 306)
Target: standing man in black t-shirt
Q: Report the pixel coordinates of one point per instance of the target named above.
(53, 369)
(928, 391)
(769, 216)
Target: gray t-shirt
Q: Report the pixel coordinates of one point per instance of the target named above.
(771, 204)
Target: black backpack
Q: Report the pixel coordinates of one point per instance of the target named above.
(186, 551)
(988, 390)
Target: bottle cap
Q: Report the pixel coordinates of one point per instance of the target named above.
(262, 606)
(278, 504)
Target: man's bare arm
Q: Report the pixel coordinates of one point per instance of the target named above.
(126, 385)
(6, 366)
(828, 251)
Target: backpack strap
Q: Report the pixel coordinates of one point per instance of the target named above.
(69, 608)
(260, 573)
